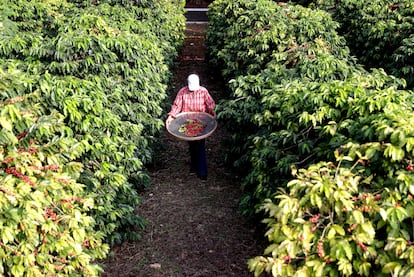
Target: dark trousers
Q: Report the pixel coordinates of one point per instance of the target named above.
(198, 157)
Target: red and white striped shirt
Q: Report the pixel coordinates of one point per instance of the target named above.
(192, 101)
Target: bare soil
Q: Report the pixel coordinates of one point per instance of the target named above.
(193, 227)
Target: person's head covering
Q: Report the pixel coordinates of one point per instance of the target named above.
(193, 82)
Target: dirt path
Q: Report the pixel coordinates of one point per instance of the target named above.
(194, 228)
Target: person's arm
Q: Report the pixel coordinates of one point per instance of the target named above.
(176, 107)
(210, 104)
(169, 119)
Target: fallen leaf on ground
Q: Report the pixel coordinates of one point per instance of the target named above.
(155, 266)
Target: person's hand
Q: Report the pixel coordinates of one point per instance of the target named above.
(169, 119)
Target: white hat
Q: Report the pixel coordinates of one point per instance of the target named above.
(193, 82)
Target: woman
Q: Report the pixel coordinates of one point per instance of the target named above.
(194, 98)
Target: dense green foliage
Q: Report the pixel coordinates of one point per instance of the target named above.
(44, 221)
(306, 52)
(99, 72)
(379, 32)
(301, 104)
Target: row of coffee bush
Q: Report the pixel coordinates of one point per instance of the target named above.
(379, 32)
(326, 146)
(82, 87)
